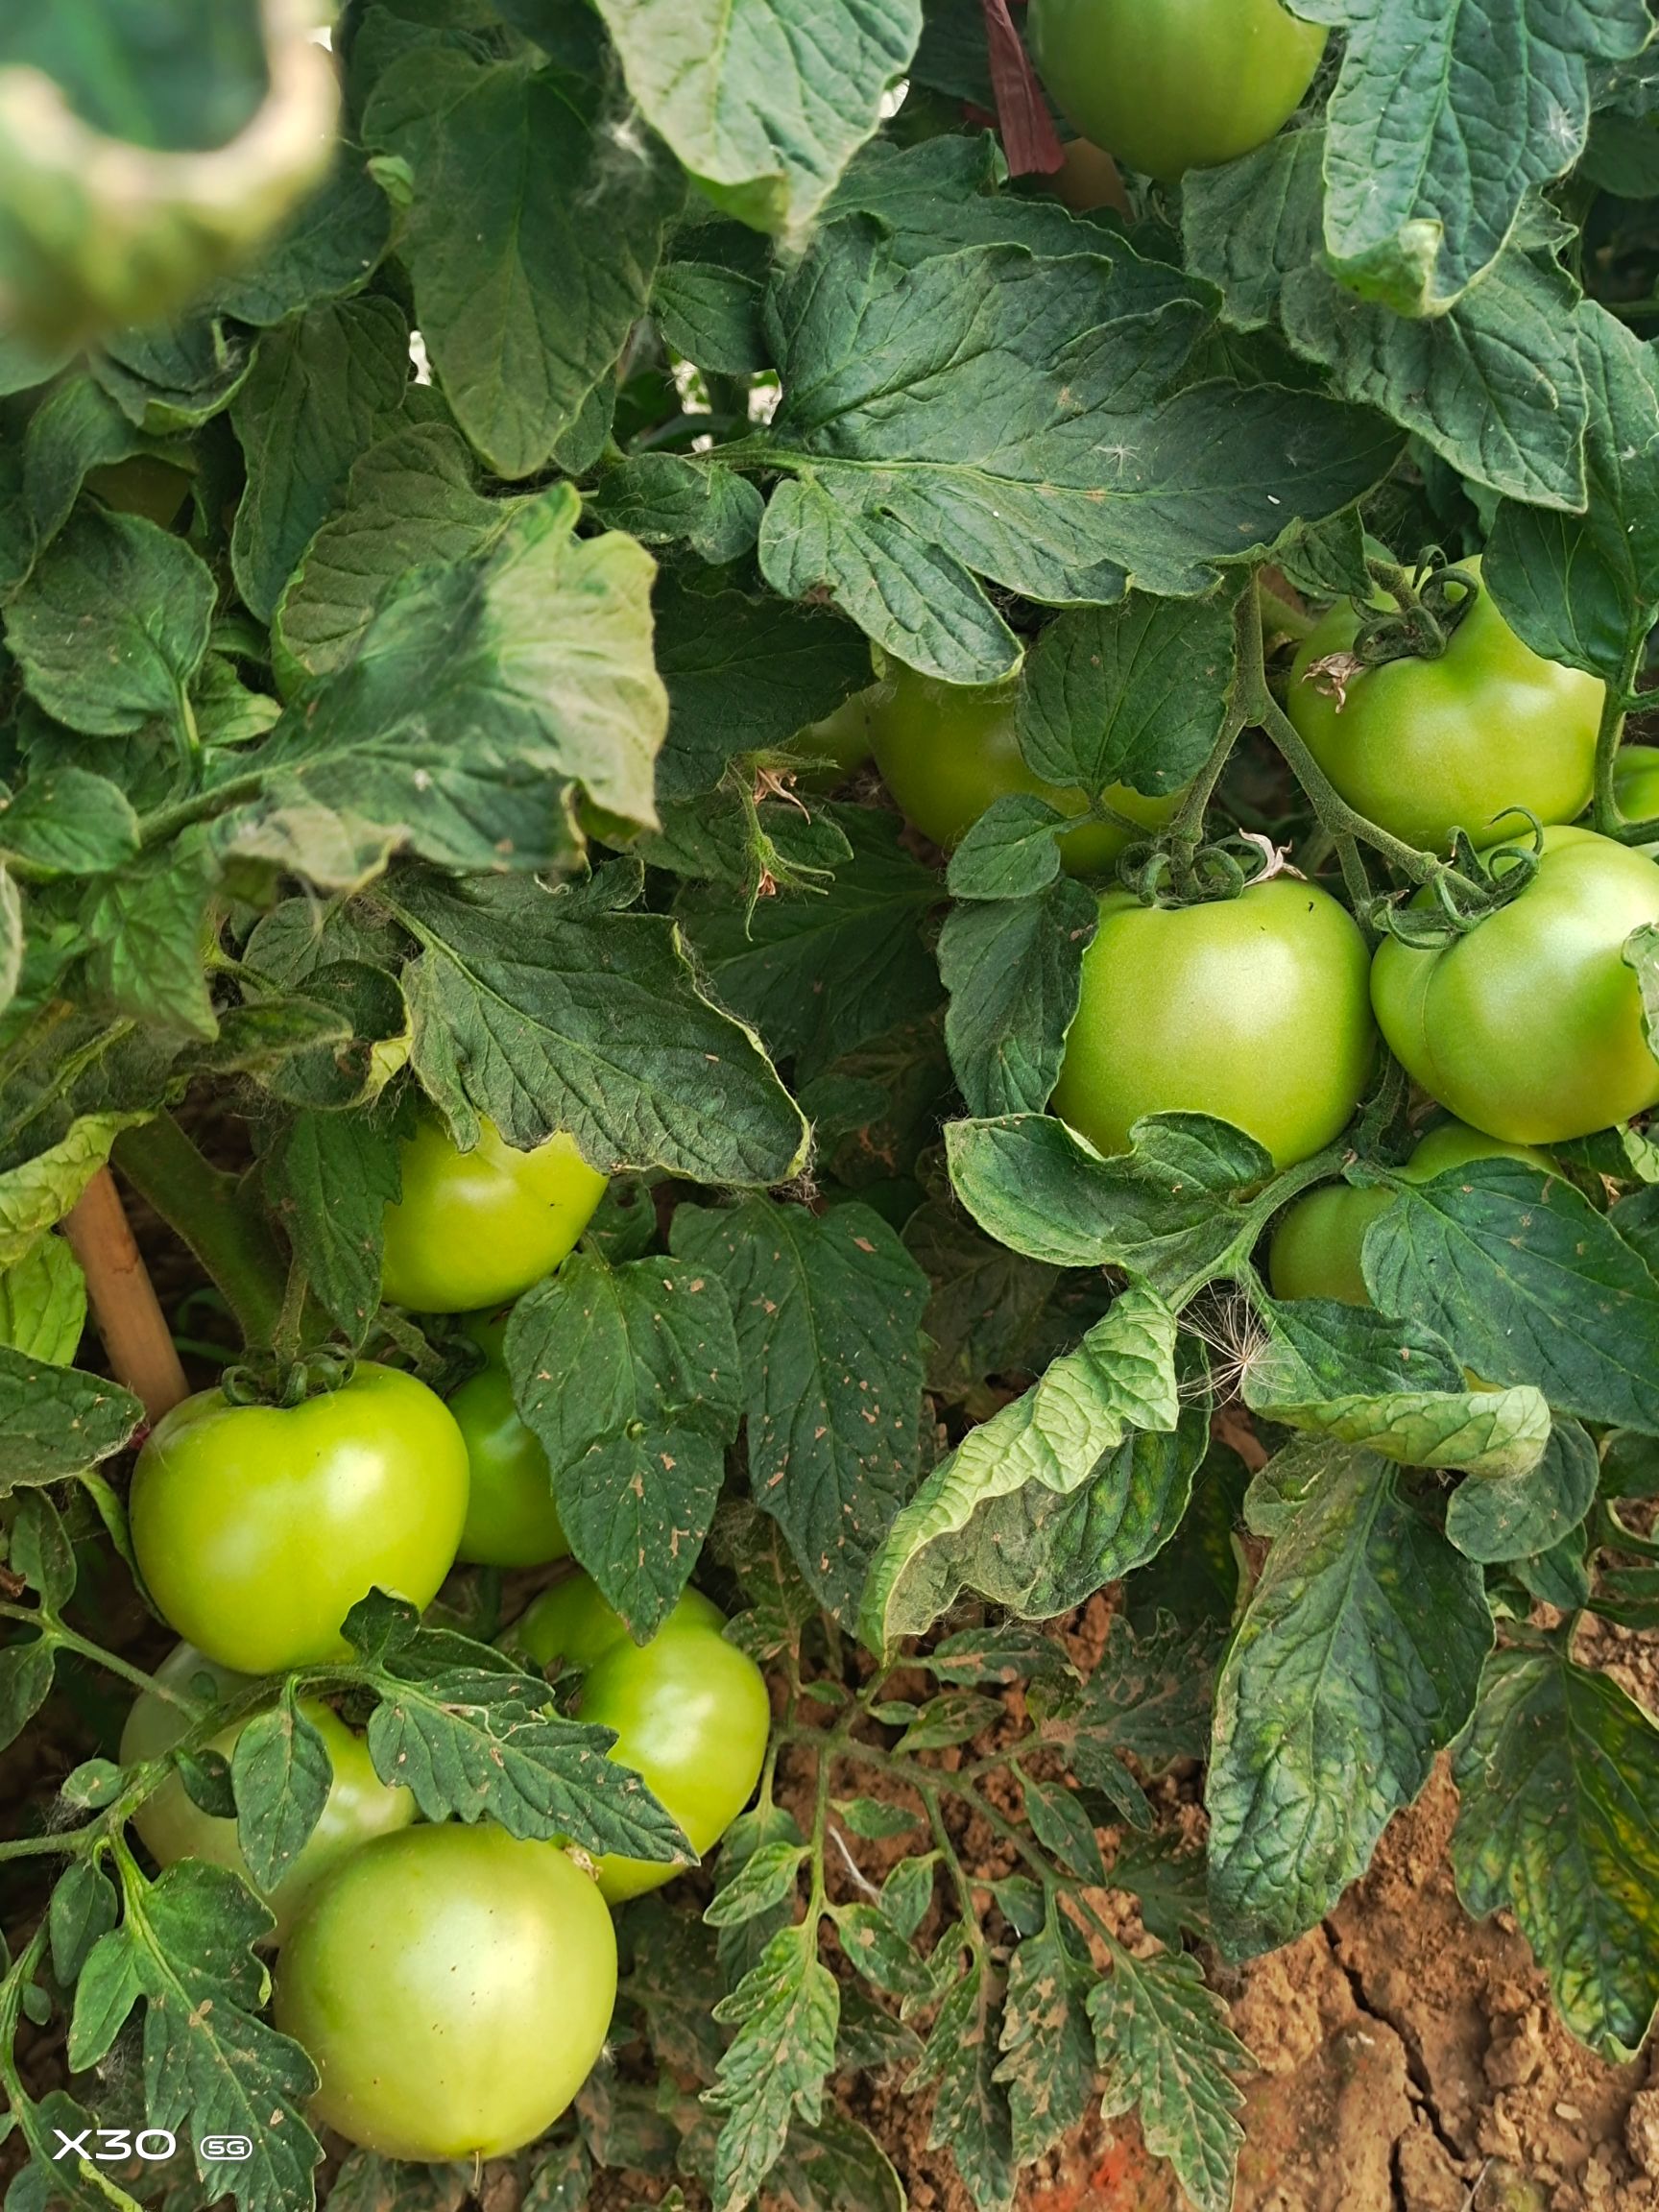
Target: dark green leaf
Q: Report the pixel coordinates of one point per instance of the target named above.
(784, 2010)
(1133, 694)
(1164, 2044)
(1014, 970)
(56, 1420)
(67, 822)
(970, 2115)
(281, 1774)
(330, 1177)
(1512, 1516)
(1047, 2063)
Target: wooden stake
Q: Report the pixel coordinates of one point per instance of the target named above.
(125, 1308)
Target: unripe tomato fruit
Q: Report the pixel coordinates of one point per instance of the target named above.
(573, 1622)
(946, 751)
(1251, 1009)
(359, 1805)
(1530, 1026)
(258, 1527)
(841, 742)
(690, 1712)
(1636, 783)
(476, 1228)
(453, 1987)
(1424, 747)
(1168, 85)
(1315, 1248)
(512, 1519)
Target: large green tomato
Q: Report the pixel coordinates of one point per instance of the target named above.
(1168, 85)
(453, 1987)
(572, 1622)
(512, 1519)
(1424, 747)
(946, 751)
(1316, 1247)
(258, 1527)
(691, 1711)
(1251, 1009)
(359, 1808)
(476, 1228)
(1636, 783)
(842, 741)
(1530, 1026)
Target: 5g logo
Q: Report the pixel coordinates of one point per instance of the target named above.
(117, 2145)
(232, 2147)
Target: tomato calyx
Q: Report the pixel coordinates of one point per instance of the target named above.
(1427, 605)
(275, 1379)
(1171, 872)
(1499, 875)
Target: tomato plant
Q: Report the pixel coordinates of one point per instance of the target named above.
(359, 1806)
(452, 1987)
(747, 812)
(1252, 1010)
(1460, 741)
(1168, 85)
(257, 1527)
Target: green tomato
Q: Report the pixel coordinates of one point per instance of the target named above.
(258, 1527)
(143, 483)
(1316, 1244)
(1424, 747)
(512, 1519)
(691, 1711)
(359, 1808)
(572, 1622)
(1251, 1009)
(1168, 85)
(946, 751)
(1530, 1026)
(841, 742)
(453, 1987)
(1636, 784)
(476, 1228)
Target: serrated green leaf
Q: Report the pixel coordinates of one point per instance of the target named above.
(1014, 970)
(56, 1420)
(630, 1379)
(26, 1672)
(43, 1303)
(669, 498)
(84, 1909)
(1166, 2051)
(329, 247)
(1527, 1283)
(68, 822)
(763, 104)
(970, 2115)
(987, 1305)
(281, 1774)
(531, 237)
(330, 1177)
(828, 1310)
(38, 1191)
(765, 1879)
(112, 624)
(711, 315)
(1010, 853)
(1515, 1515)
(1053, 1438)
(1048, 2062)
(784, 2010)
(322, 388)
(145, 927)
(1356, 1661)
(547, 1012)
(1558, 1822)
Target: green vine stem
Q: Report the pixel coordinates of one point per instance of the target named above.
(1615, 706)
(211, 1213)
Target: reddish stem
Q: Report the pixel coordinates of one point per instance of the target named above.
(125, 1308)
(1029, 138)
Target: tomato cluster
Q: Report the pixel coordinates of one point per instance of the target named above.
(453, 1985)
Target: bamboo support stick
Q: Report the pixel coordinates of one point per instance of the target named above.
(125, 1308)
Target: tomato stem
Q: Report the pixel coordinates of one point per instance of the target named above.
(209, 1209)
(1609, 736)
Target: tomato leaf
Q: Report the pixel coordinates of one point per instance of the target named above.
(282, 1775)
(330, 1177)
(971, 2113)
(784, 2010)
(56, 1420)
(67, 822)
(111, 624)
(1130, 694)
(987, 1306)
(1357, 1660)
(1391, 1387)
(669, 499)
(1014, 969)
(330, 247)
(1514, 1516)
(990, 1516)
(43, 1303)
(212, 2066)
(1527, 1283)
(39, 1191)
(1169, 1212)
(1495, 384)
(1162, 2042)
(630, 1378)
(568, 1011)
(531, 237)
(828, 1312)
(1558, 1822)
(763, 104)
(1435, 143)
(1047, 2063)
